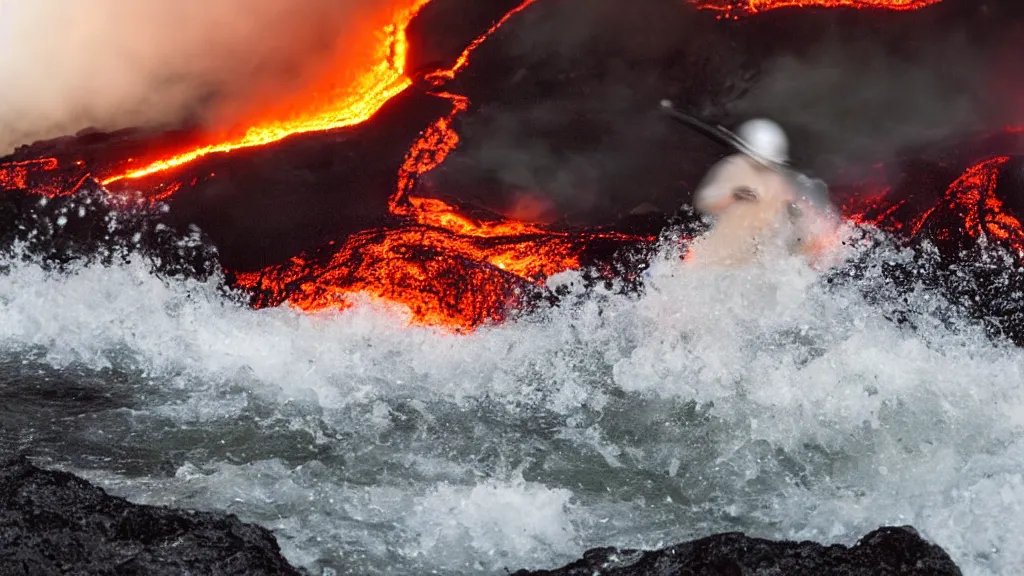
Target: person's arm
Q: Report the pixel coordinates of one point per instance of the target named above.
(812, 192)
(815, 219)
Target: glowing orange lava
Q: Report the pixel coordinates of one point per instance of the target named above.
(864, 210)
(339, 107)
(450, 268)
(735, 8)
(447, 268)
(15, 175)
(973, 197)
(969, 203)
(43, 176)
(443, 279)
(427, 153)
(463, 58)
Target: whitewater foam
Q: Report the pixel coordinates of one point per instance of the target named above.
(769, 400)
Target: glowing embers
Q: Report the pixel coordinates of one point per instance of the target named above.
(15, 175)
(42, 176)
(326, 106)
(732, 9)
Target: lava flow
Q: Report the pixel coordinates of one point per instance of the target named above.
(447, 268)
(342, 106)
(450, 267)
(731, 9)
(35, 175)
(972, 199)
(969, 208)
(15, 176)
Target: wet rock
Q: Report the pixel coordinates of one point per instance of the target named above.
(887, 551)
(54, 523)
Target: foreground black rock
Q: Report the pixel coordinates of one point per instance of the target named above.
(884, 552)
(54, 523)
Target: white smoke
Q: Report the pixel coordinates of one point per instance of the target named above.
(67, 65)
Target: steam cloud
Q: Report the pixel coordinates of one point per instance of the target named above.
(857, 101)
(578, 125)
(588, 141)
(70, 64)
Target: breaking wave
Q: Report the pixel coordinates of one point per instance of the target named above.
(777, 401)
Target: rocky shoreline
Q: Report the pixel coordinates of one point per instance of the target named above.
(888, 551)
(53, 522)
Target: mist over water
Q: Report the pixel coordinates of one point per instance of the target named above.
(775, 400)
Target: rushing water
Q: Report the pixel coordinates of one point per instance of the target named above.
(769, 400)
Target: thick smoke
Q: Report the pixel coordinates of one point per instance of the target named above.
(70, 64)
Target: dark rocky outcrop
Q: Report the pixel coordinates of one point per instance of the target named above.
(885, 552)
(54, 523)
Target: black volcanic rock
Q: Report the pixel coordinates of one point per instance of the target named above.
(54, 523)
(885, 552)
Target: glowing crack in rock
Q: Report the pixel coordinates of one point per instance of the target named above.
(732, 9)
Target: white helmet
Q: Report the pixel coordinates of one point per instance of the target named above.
(765, 139)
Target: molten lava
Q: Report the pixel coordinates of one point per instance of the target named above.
(970, 205)
(444, 279)
(732, 9)
(15, 176)
(463, 60)
(448, 268)
(336, 106)
(41, 176)
(972, 197)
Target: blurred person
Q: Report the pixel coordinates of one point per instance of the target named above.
(760, 205)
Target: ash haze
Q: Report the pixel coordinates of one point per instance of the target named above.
(70, 64)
